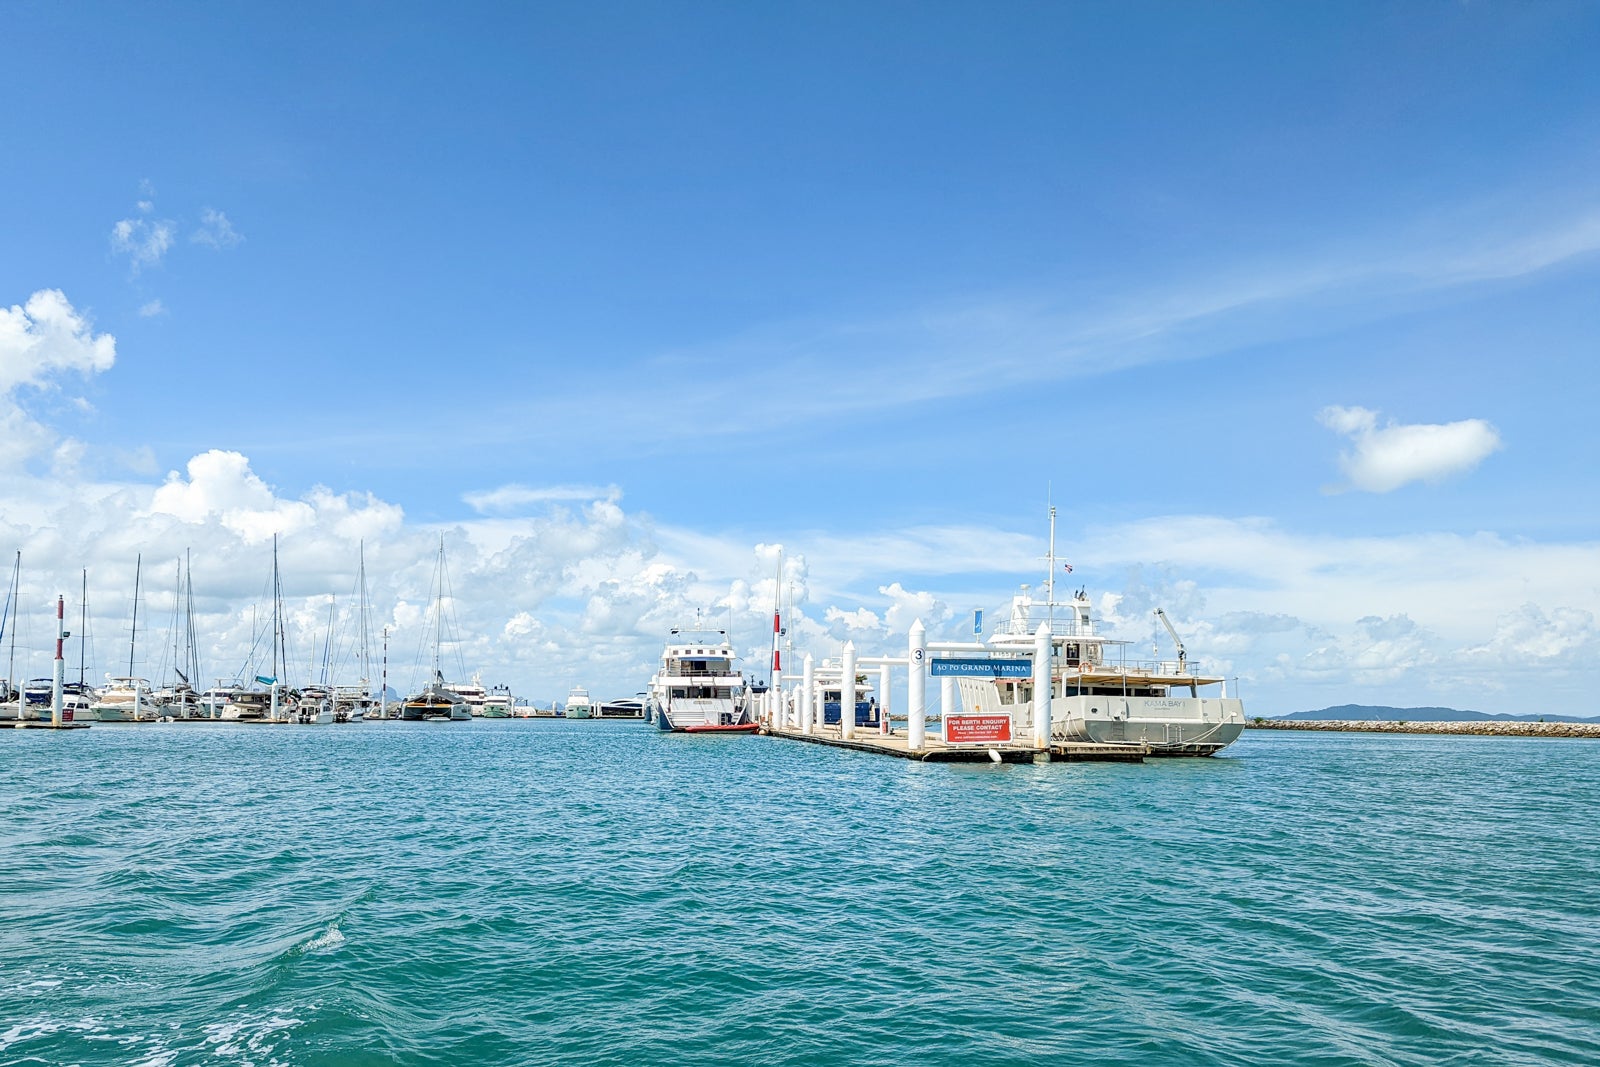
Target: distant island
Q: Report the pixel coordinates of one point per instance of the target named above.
(1366, 718)
(1380, 713)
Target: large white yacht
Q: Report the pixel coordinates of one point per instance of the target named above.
(697, 689)
(472, 692)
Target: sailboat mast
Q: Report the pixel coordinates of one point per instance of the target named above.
(438, 614)
(11, 609)
(361, 608)
(280, 657)
(177, 615)
(83, 625)
(188, 594)
(133, 635)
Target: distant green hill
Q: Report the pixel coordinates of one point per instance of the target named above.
(1372, 713)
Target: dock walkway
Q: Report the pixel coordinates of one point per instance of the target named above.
(936, 751)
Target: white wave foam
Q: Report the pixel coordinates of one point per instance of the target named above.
(327, 941)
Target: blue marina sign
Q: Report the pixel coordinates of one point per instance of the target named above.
(980, 667)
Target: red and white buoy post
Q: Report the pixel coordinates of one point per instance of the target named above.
(60, 667)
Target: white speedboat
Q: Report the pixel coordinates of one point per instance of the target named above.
(698, 689)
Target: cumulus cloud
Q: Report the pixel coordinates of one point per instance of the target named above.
(1385, 458)
(46, 335)
(151, 309)
(215, 231)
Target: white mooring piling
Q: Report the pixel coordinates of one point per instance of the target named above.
(916, 687)
(847, 692)
(1041, 686)
(808, 693)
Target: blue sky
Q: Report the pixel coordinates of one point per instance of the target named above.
(616, 295)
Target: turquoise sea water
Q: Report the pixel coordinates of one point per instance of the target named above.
(547, 892)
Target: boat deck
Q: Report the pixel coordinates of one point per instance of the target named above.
(936, 751)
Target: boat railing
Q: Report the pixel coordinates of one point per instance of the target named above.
(1149, 668)
(1061, 627)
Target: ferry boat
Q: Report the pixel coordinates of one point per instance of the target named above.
(579, 706)
(1096, 693)
(697, 689)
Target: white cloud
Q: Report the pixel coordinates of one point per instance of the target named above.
(215, 231)
(47, 335)
(510, 499)
(39, 340)
(854, 622)
(143, 241)
(152, 309)
(1385, 458)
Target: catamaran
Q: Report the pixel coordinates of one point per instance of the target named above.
(436, 701)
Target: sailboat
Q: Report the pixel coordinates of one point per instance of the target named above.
(247, 705)
(351, 702)
(178, 697)
(127, 698)
(437, 701)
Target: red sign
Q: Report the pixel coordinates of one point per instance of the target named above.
(976, 729)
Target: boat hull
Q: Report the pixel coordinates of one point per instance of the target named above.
(1188, 726)
(701, 716)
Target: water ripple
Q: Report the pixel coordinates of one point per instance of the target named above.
(561, 892)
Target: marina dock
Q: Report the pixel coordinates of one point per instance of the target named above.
(935, 750)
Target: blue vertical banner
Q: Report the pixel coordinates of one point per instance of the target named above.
(977, 621)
